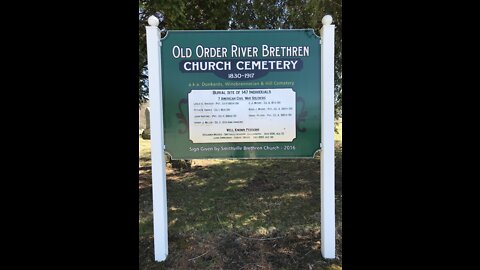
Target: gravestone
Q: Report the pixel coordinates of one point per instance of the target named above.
(141, 115)
(146, 131)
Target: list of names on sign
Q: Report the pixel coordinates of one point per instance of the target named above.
(242, 115)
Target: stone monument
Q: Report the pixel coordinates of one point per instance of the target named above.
(146, 131)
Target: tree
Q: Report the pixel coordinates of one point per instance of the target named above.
(334, 8)
(177, 14)
(241, 14)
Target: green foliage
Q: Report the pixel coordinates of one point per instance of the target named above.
(334, 8)
(240, 14)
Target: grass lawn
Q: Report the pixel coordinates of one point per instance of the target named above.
(240, 214)
(338, 134)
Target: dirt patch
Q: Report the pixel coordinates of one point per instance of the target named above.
(249, 214)
(144, 180)
(231, 251)
(261, 182)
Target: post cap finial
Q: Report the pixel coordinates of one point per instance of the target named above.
(153, 21)
(327, 20)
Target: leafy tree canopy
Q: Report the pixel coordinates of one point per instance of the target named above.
(240, 14)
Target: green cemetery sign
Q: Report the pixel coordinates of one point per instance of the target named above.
(241, 94)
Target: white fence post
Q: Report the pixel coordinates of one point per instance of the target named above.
(327, 158)
(159, 178)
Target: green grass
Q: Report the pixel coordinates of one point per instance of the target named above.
(144, 153)
(239, 195)
(228, 208)
(338, 133)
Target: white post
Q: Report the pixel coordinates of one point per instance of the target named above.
(159, 178)
(327, 157)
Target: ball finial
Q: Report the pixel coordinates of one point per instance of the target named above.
(153, 21)
(327, 20)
